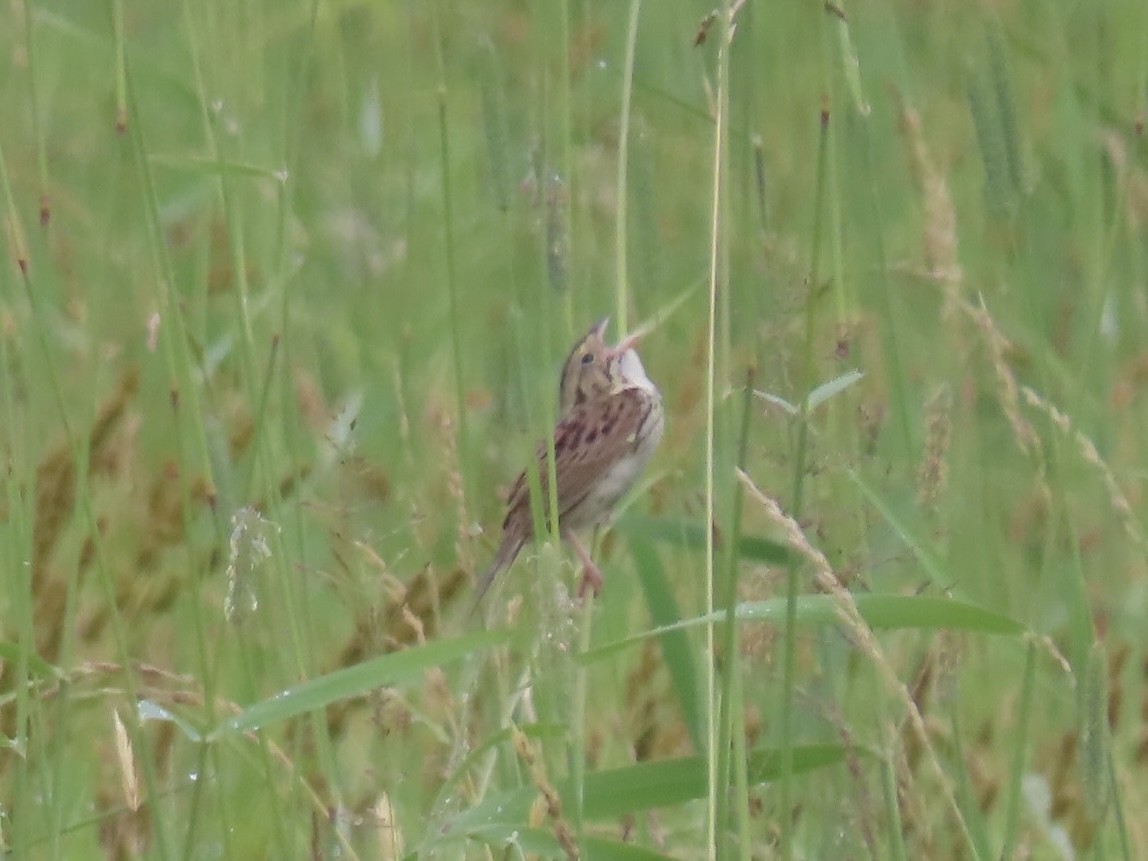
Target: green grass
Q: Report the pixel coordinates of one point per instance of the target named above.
(284, 294)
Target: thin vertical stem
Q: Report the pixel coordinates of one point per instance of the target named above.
(790, 649)
(731, 688)
(718, 284)
(448, 253)
(621, 283)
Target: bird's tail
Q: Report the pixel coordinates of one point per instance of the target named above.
(507, 551)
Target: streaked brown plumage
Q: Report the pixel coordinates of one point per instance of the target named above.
(611, 420)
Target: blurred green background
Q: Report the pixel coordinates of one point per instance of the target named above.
(285, 293)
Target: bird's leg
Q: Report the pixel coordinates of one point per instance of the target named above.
(591, 573)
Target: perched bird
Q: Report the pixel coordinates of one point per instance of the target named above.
(610, 421)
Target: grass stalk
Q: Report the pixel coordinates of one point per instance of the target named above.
(970, 812)
(1014, 798)
(78, 453)
(34, 109)
(1118, 819)
(578, 731)
(890, 795)
(716, 364)
(731, 723)
(447, 198)
(793, 572)
(183, 397)
(621, 224)
(16, 544)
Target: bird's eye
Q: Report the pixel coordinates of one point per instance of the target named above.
(587, 358)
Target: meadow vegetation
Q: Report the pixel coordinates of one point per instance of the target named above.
(285, 291)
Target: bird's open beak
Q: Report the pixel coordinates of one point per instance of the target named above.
(627, 343)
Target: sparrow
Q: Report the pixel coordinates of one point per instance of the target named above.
(610, 422)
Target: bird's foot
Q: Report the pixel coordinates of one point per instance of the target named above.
(591, 579)
(591, 573)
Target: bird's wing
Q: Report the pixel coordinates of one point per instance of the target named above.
(587, 442)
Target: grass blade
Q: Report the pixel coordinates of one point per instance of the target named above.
(617, 792)
(355, 680)
(880, 612)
